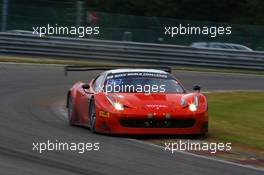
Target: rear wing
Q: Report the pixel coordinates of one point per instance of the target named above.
(94, 68)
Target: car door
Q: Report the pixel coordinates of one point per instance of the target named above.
(87, 94)
(81, 104)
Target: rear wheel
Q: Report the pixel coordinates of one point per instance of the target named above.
(70, 111)
(92, 116)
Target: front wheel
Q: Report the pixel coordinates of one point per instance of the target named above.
(70, 111)
(92, 116)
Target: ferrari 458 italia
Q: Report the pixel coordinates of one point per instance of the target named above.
(136, 101)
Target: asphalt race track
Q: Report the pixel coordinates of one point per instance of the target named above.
(29, 95)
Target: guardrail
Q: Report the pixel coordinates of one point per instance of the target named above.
(161, 54)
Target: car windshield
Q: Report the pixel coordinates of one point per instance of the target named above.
(143, 84)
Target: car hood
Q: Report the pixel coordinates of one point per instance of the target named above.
(148, 101)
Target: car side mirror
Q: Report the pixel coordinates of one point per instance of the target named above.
(197, 88)
(86, 86)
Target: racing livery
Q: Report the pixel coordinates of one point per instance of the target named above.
(136, 101)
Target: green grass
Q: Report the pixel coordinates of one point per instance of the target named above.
(237, 117)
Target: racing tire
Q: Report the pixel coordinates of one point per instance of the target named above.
(70, 111)
(92, 116)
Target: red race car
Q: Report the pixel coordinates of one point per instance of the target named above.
(136, 101)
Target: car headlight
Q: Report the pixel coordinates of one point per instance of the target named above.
(192, 107)
(118, 106)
